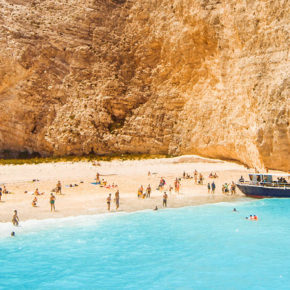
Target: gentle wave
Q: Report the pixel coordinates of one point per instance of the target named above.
(36, 225)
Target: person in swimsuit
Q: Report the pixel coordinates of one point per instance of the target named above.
(0, 193)
(34, 202)
(148, 191)
(58, 187)
(98, 178)
(109, 202)
(15, 219)
(52, 202)
(117, 199)
(208, 188)
(213, 187)
(165, 196)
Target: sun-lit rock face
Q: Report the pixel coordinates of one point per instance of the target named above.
(208, 77)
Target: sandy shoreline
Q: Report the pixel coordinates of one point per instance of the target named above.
(88, 199)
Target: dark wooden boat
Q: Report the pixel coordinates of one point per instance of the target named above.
(263, 185)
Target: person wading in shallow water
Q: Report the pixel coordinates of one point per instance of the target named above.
(52, 202)
(15, 219)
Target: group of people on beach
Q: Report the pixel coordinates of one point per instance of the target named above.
(198, 177)
(211, 187)
(229, 188)
(116, 199)
(144, 194)
(103, 183)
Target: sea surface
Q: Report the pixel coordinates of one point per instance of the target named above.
(201, 247)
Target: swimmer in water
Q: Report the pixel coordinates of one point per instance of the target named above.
(156, 208)
(235, 209)
(12, 234)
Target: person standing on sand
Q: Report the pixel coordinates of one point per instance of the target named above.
(117, 199)
(213, 187)
(233, 188)
(58, 187)
(208, 188)
(195, 176)
(177, 185)
(165, 197)
(148, 191)
(0, 193)
(52, 202)
(15, 219)
(109, 202)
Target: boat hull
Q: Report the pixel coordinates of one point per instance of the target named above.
(261, 191)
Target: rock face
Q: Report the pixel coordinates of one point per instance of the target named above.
(208, 77)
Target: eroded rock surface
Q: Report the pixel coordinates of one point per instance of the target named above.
(208, 77)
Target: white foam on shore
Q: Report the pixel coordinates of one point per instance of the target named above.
(30, 226)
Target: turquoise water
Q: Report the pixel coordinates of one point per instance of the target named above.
(204, 247)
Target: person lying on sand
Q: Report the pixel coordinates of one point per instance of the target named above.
(71, 185)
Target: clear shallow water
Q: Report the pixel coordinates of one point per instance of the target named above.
(204, 247)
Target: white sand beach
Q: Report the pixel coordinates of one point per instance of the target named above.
(87, 198)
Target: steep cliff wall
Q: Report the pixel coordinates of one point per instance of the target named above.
(208, 77)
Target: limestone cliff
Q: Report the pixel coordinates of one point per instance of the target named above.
(208, 77)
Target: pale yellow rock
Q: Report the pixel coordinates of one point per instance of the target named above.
(208, 77)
